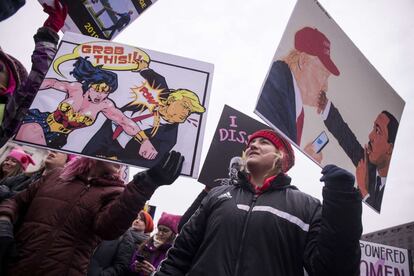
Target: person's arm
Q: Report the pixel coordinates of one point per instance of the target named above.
(46, 40)
(344, 135)
(119, 210)
(67, 87)
(332, 246)
(154, 79)
(191, 210)
(114, 114)
(147, 150)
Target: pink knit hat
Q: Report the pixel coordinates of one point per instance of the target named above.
(170, 220)
(22, 157)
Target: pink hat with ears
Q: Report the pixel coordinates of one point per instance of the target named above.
(22, 157)
(170, 220)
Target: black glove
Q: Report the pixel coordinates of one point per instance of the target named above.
(336, 178)
(168, 169)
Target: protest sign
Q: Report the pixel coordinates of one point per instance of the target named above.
(101, 18)
(325, 96)
(120, 103)
(380, 259)
(224, 157)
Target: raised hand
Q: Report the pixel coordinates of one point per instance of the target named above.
(57, 15)
(168, 169)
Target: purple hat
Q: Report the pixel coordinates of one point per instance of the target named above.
(170, 220)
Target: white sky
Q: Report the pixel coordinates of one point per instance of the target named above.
(240, 39)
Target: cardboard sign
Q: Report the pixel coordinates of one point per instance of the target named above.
(224, 157)
(101, 18)
(120, 103)
(380, 259)
(325, 96)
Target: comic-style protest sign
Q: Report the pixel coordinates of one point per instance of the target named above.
(326, 97)
(121, 103)
(224, 157)
(380, 259)
(101, 18)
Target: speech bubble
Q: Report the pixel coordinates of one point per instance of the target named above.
(106, 54)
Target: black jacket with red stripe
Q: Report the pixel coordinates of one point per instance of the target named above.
(281, 231)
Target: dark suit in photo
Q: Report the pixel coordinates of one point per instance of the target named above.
(277, 100)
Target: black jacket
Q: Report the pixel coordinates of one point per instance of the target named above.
(112, 258)
(279, 232)
(191, 210)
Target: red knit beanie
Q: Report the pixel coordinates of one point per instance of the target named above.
(288, 159)
(149, 223)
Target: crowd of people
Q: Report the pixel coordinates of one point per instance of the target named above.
(76, 216)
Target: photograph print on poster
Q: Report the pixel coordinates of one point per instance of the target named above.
(325, 96)
(120, 103)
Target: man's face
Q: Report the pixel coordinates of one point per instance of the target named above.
(379, 150)
(56, 159)
(313, 79)
(4, 76)
(178, 111)
(98, 92)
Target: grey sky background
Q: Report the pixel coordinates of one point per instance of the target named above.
(240, 39)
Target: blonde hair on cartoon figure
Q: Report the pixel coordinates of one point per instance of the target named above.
(277, 164)
(179, 94)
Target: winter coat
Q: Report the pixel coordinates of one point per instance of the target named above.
(152, 254)
(102, 258)
(65, 220)
(14, 184)
(17, 105)
(281, 231)
(191, 210)
(113, 257)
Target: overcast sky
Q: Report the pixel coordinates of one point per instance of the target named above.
(240, 38)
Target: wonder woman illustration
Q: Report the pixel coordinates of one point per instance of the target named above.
(159, 120)
(85, 99)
